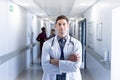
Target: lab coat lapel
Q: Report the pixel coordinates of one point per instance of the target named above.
(65, 50)
(57, 48)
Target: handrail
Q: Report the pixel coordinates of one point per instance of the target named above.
(15, 53)
(98, 58)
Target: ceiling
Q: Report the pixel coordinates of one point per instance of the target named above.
(53, 8)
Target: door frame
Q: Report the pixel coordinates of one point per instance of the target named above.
(82, 37)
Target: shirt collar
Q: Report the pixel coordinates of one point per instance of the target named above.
(65, 38)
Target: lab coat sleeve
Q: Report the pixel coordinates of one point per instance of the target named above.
(47, 67)
(67, 66)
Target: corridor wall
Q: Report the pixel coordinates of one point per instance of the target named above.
(100, 13)
(15, 34)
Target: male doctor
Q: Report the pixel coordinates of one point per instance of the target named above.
(62, 54)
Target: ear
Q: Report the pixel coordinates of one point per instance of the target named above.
(55, 25)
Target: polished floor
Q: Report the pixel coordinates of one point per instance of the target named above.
(34, 72)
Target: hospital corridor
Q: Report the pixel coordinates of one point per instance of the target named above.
(92, 29)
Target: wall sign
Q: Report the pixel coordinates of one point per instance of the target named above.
(11, 8)
(99, 31)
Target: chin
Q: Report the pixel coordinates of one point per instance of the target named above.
(62, 35)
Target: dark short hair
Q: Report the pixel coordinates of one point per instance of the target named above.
(62, 17)
(43, 28)
(52, 29)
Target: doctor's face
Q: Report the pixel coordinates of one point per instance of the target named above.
(62, 27)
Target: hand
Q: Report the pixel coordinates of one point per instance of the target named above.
(74, 57)
(54, 61)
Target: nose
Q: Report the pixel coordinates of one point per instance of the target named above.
(62, 26)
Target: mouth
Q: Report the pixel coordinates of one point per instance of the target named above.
(62, 32)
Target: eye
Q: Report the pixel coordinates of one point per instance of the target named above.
(64, 24)
(59, 24)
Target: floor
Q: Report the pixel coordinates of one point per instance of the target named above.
(34, 72)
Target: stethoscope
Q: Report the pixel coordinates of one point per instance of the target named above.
(70, 41)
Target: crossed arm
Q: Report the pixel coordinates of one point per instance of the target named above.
(73, 57)
(61, 66)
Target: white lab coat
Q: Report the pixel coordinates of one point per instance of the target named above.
(72, 69)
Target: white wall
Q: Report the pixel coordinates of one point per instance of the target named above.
(48, 28)
(3, 38)
(15, 34)
(76, 29)
(16, 24)
(3, 30)
(29, 35)
(35, 34)
(115, 64)
(97, 71)
(101, 12)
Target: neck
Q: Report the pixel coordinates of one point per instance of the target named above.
(62, 36)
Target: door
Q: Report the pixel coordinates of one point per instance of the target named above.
(31, 48)
(82, 38)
